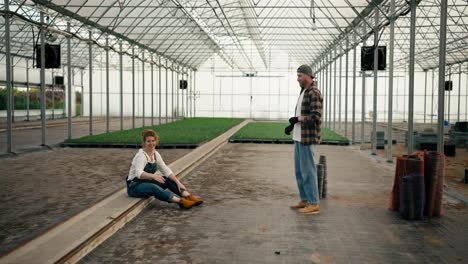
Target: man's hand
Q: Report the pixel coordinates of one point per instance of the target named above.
(293, 120)
(288, 129)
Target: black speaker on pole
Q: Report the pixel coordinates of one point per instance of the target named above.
(183, 84)
(448, 85)
(52, 56)
(367, 58)
(58, 80)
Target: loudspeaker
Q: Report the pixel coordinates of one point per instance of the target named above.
(58, 80)
(183, 84)
(367, 58)
(448, 85)
(52, 56)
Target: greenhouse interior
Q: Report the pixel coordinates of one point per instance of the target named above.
(297, 147)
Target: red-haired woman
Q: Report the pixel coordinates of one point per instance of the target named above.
(150, 176)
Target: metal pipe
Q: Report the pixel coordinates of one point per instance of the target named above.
(159, 69)
(411, 77)
(82, 93)
(43, 99)
(459, 90)
(442, 50)
(27, 89)
(152, 92)
(194, 89)
(172, 92)
(334, 91)
(330, 94)
(121, 84)
(353, 132)
(346, 88)
(69, 83)
(90, 52)
(425, 94)
(339, 93)
(363, 99)
(107, 84)
(376, 71)
(143, 85)
(390, 83)
(133, 87)
(52, 95)
(432, 99)
(167, 92)
(8, 74)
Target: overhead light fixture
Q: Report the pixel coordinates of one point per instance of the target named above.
(51, 37)
(312, 14)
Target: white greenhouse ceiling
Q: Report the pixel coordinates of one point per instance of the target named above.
(249, 35)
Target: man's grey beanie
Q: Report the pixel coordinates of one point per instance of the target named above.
(305, 69)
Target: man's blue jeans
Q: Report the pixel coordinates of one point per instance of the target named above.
(306, 172)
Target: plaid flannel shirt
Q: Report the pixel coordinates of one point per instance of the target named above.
(311, 110)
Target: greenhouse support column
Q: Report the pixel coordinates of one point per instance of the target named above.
(339, 91)
(448, 96)
(346, 89)
(8, 72)
(13, 89)
(159, 69)
(53, 95)
(90, 48)
(177, 86)
(107, 84)
(327, 113)
(194, 90)
(43, 99)
(27, 89)
(121, 84)
(167, 92)
(390, 83)
(189, 102)
(425, 94)
(334, 90)
(363, 99)
(459, 91)
(82, 93)
(330, 92)
(143, 85)
(172, 91)
(432, 98)
(411, 77)
(376, 71)
(442, 49)
(133, 87)
(69, 83)
(353, 126)
(152, 91)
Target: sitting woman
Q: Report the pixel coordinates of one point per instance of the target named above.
(143, 181)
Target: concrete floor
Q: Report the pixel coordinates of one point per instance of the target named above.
(43, 189)
(246, 217)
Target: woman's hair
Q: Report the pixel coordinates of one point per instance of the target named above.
(149, 133)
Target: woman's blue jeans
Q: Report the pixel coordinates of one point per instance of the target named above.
(306, 172)
(147, 188)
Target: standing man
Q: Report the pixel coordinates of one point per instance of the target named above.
(305, 126)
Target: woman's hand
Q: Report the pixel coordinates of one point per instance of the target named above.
(159, 178)
(181, 187)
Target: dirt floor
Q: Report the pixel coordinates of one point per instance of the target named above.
(42, 189)
(454, 166)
